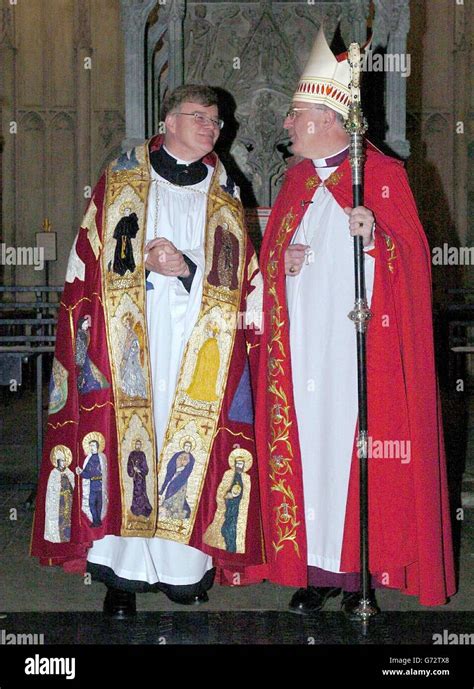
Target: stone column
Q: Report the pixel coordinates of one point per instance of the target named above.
(134, 17)
(154, 35)
(357, 14)
(176, 43)
(392, 19)
(461, 120)
(8, 115)
(83, 50)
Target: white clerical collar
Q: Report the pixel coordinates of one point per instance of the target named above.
(178, 160)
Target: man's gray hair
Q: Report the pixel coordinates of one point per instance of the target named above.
(195, 93)
(339, 117)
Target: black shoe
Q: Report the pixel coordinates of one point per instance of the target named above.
(350, 601)
(184, 598)
(120, 604)
(312, 599)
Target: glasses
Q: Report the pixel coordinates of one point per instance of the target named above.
(293, 112)
(202, 119)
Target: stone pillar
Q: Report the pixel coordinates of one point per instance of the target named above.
(357, 14)
(134, 17)
(155, 34)
(461, 120)
(176, 43)
(83, 51)
(392, 19)
(8, 115)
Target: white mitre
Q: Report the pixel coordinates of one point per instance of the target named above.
(325, 80)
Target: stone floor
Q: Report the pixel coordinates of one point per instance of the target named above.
(26, 587)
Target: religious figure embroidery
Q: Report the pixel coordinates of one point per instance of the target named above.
(178, 471)
(89, 377)
(228, 528)
(225, 259)
(57, 387)
(132, 378)
(137, 469)
(204, 382)
(94, 478)
(125, 230)
(57, 525)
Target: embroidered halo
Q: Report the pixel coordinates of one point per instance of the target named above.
(58, 451)
(244, 455)
(127, 204)
(187, 439)
(93, 435)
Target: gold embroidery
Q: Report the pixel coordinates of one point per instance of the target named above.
(197, 402)
(124, 306)
(236, 435)
(391, 250)
(203, 383)
(280, 449)
(333, 179)
(229, 525)
(60, 424)
(312, 182)
(96, 406)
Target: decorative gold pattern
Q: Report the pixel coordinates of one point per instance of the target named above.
(391, 248)
(96, 406)
(333, 179)
(236, 435)
(124, 305)
(124, 298)
(280, 449)
(196, 409)
(60, 424)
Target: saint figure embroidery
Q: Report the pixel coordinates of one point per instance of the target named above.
(94, 478)
(89, 377)
(228, 528)
(57, 387)
(57, 525)
(137, 469)
(203, 385)
(178, 471)
(225, 260)
(132, 379)
(125, 230)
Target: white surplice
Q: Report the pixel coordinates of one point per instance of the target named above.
(171, 316)
(324, 365)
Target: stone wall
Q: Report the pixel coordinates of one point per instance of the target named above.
(61, 120)
(71, 121)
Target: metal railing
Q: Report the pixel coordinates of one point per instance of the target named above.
(27, 330)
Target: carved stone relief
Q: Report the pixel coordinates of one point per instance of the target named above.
(255, 52)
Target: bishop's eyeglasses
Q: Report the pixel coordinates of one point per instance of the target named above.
(293, 113)
(202, 119)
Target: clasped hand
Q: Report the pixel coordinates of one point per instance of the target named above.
(164, 258)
